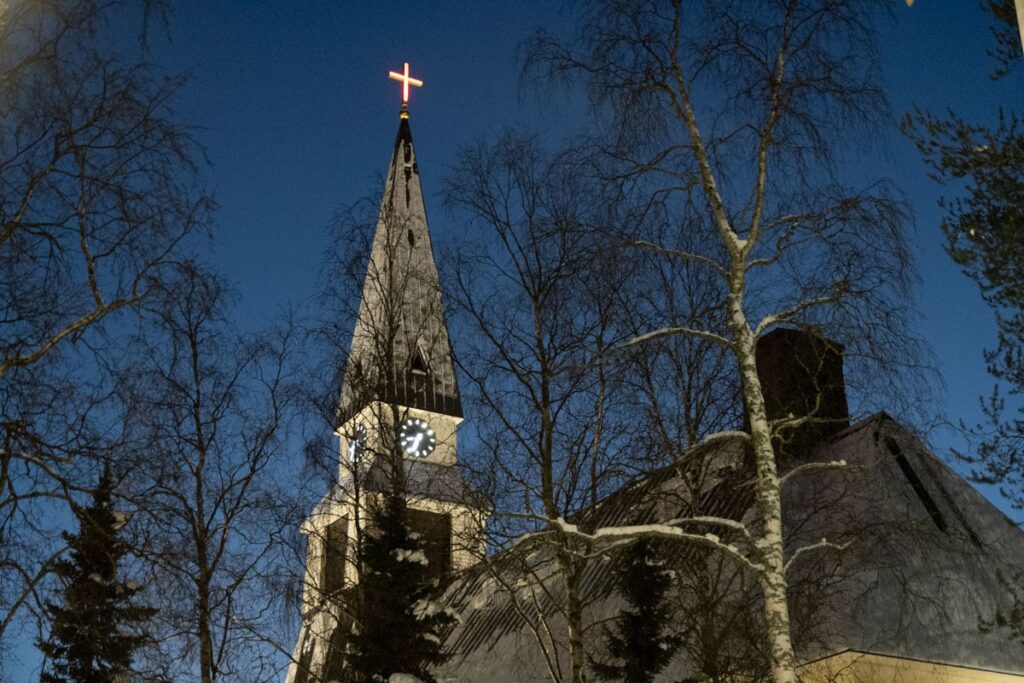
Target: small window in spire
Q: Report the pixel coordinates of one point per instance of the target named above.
(412, 238)
(418, 362)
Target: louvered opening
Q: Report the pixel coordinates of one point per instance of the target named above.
(418, 362)
(332, 568)
(435, 530)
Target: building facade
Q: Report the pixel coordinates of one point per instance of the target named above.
(925, 559)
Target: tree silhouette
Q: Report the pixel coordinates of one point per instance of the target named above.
(399, 623)
(639, 643)
(96, 626)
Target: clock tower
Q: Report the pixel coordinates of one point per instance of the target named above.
(396, 420)
(401, 355)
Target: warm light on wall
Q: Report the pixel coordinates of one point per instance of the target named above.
(854, 667)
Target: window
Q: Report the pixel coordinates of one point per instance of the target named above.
(435, 530)
(418, 361)
(332, 568)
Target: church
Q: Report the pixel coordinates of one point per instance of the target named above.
(926, 561)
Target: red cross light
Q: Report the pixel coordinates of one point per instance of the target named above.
(406, 82)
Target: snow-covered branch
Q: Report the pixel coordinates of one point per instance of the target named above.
(790, 313)
(792, 422)
(807, 467)
(623, 539)
(718, 437)
(730, 524)
(782, 244)
(666, 531)
(668, 331)
(820, 545)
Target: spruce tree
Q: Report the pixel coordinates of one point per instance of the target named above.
(399, 623)
(94, 629)
(984, 229)
(639, 643)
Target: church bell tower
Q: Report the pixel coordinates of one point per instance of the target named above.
(396, 420)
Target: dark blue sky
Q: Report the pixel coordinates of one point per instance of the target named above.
(298, 117)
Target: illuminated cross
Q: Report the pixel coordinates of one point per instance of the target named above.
(406, 82)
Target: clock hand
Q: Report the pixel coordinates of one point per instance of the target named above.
(416, 443)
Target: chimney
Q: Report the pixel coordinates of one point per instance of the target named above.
(802, 376)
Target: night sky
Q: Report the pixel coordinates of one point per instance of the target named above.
(298, 117)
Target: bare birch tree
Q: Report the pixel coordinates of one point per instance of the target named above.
(734, 116)
(541, 401)
(97, 193)
(563, 419)
(207, 410)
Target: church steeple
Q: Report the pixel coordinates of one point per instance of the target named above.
(398, 398)
(400, 348)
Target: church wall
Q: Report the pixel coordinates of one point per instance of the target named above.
(855, 667)
(378, 413)
(467, 545)
(920, 570)
(903, 597)
(316, 531)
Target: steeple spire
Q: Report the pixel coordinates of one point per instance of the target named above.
(400, 347)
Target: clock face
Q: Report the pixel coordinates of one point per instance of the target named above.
(417, 438)
(356, 443)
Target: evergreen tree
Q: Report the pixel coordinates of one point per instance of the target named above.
(984, 231)
(94, 630)
(639, 643)
(399, 624)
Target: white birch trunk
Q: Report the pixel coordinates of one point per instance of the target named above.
(772, 576)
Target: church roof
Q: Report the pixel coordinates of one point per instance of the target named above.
(923, 566)
(401, 352)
